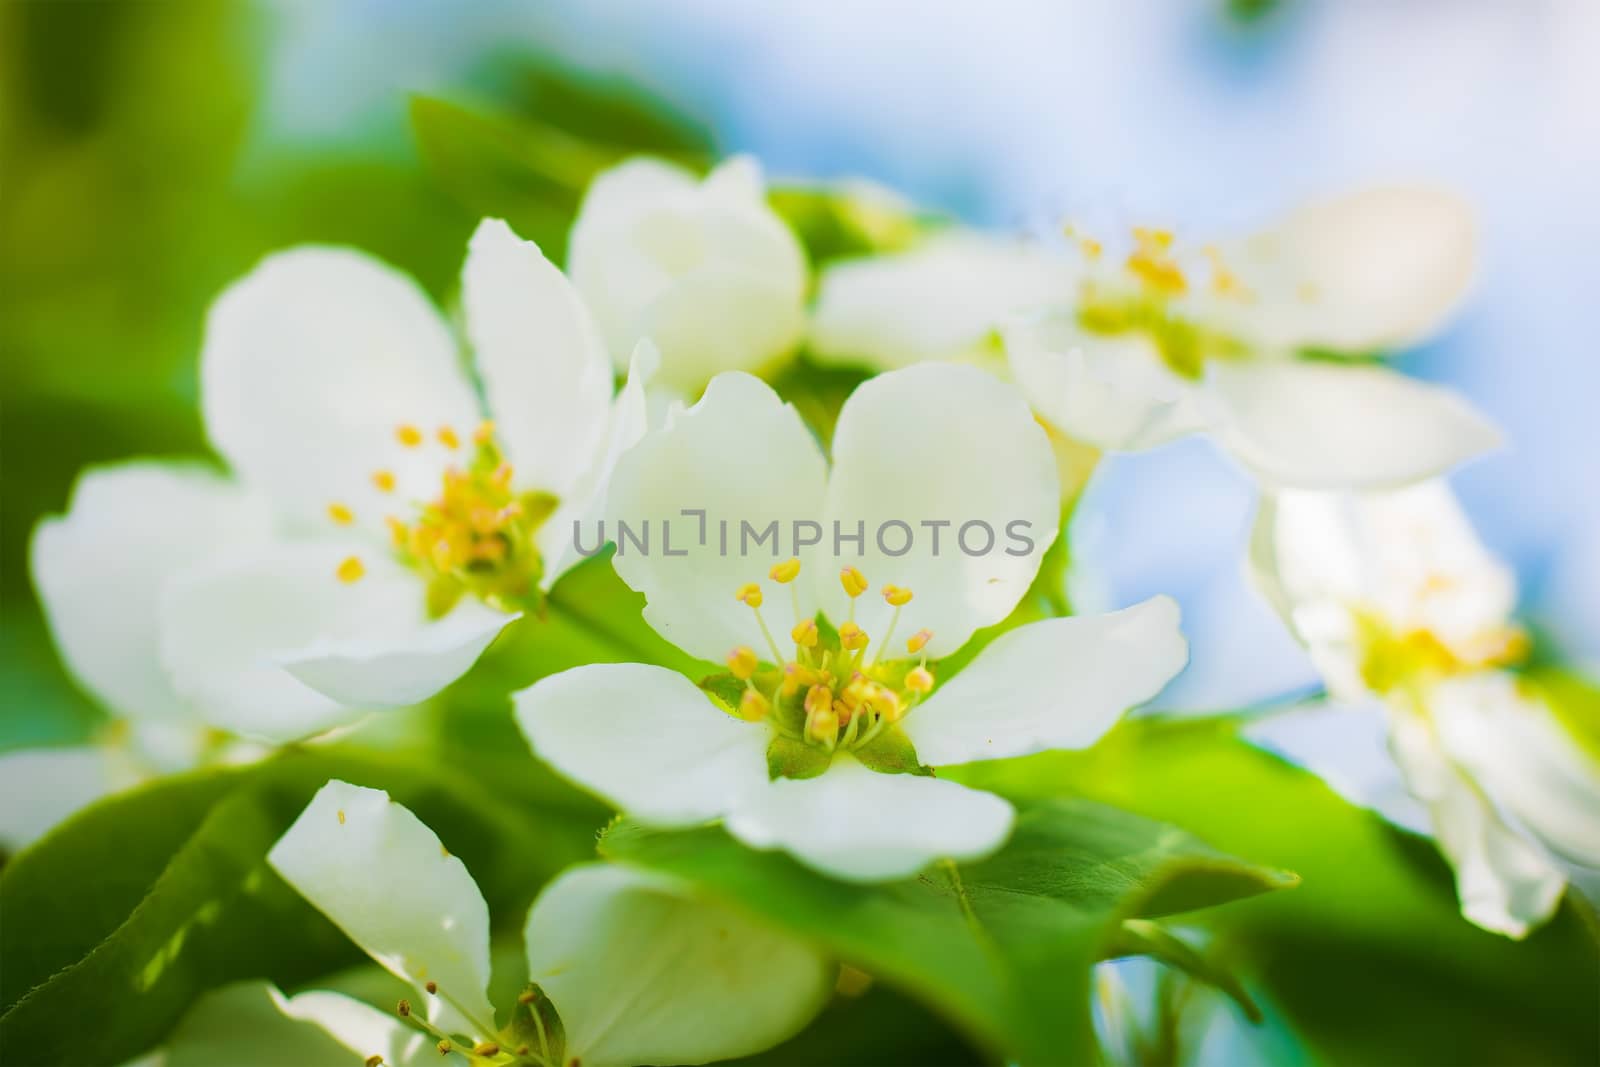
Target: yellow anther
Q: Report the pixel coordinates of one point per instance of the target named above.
(1148, 237)
(1090, 248)
(919, 640)
(384, 480)
(823, 724)
(753, 707)
(805, 633)
(885, 702)
(374, 1061)
(432, 987)
(819, 698)
(484, 433)
(341, 514)
(742, 662)
(444, 1046)
(448, 438)
(749, 593)
(341, 816)
(351, 570)
(785, 572)
(403, 1008)
(852, 637)
(897, 595)
(854, 582)
(486, 1049)
(408, 435)
(919, 680)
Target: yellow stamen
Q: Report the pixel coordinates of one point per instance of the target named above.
(753, 707)
(749, 593)
(384, 480)
(408, 435)
(919, 680)
(448, 438)
(897, 595)
(484, 433)
(918, 641)
(805, 633)
(351, 570)
(784, 572)
(852, 637)
(742, 662)
(341, 514)
(854, 582)
(823, 724)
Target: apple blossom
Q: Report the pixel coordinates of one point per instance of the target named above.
(705, 269)
(413, 527)
(638, 969)
(819, 738)
(1247, 340)
(1404, 610)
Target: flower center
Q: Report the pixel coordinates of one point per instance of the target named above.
(1140, 298)
(476, 537)
(838, 690)
(1393, 659)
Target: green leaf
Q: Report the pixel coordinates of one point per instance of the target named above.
(1002, 947)
(1374, 933)
(135, 907)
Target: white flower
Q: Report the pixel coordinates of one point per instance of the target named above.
(415, 529)
(705, 269)
(823, 709)
(100, 571)
(1131, 348)
(1400, 605)
(638, 969)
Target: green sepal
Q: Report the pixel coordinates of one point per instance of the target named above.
(791, 758)
(725, 689)
(891, 752)
(524, 1029)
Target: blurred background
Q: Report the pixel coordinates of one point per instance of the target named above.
(154, 151)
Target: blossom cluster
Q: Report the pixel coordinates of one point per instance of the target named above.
(402, 483)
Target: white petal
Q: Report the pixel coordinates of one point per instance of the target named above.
(398, 666)
(1505, 883)
(385, 879)
(1111, 392)
(862, 826)
(545, 369)
(1410, 556)
(312, 362)
(939, 442)
(742, 456)
(646, 739)
(1059, 683)
(1516, 749)
(580, 513)
(100, 569)
(251, 1024)
(721, 318)
(943, 298)
(705, 269)
(245, 638)
(1347, 746)
(641, 972)
(1321, 425)
(1379, 269)
(41, 787)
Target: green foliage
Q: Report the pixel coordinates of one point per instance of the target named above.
(1370, 960)
(140, 904)
(1002, 947)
